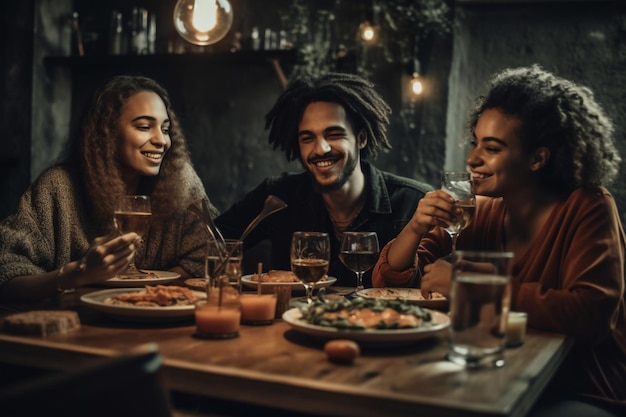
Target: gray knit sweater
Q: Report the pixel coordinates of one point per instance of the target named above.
(51, 228)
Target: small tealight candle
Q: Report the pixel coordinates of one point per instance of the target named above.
(515, 328)
(257, 308)
(217, 322)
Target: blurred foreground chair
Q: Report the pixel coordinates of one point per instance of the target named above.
(128, 385)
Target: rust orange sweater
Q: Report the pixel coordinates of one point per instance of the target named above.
(570, 281)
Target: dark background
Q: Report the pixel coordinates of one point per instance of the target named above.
(222, 97)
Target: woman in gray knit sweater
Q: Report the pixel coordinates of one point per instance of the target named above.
(62, 234)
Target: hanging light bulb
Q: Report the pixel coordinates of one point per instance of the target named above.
(416, 81)
(368, 32)
(203, 22)
(416, 84)
(369, 29)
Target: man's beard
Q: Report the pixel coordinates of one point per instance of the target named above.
(344, 176)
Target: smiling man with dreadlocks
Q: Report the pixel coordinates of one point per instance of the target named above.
(331, 124)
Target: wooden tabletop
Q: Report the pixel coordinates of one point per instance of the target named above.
(276, 366)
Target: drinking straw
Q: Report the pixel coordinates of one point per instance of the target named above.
(259, 271)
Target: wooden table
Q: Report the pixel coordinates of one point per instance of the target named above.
(278, 367)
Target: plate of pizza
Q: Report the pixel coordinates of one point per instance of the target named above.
(435, 299)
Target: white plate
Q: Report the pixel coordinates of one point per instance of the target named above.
(440, 321)
(163, 277)
(297, 286)
(412, 295)
(96, 301)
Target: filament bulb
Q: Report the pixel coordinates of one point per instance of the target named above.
(203, 22)
(367, 32)
(416, 84)
(204, 15)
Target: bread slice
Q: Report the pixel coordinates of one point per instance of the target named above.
(42, 322)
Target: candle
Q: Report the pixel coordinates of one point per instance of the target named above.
(217, 322)
(515, 328)
(258, 308)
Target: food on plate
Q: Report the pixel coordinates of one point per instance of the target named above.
(155, 296)
(275, 275)
(365, 313)
(42, 322)
(198, 284)
(403, 293)
(142, 275)
(342, 350)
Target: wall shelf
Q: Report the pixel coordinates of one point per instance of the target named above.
(277, 58)
(240, 57)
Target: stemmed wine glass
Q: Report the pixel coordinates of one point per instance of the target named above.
(132, 214)
(310, 256)
(459, 185)
(359, 252)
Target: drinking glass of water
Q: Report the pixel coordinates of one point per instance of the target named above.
(480, 297)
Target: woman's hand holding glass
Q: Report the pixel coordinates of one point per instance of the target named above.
(436, 209)
(108, 256)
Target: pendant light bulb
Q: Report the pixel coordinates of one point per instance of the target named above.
(203, 22)
(368, 32)
(416, 84)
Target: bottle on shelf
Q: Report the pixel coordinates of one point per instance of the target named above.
(117, 35)
(77, 37)
(139, 31)
(152, 34)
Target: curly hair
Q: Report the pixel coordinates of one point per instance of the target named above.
(558, 114)
(365, 108)
(92, 153)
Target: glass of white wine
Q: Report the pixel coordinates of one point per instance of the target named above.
(310, 256)
(359, 252)
(459, 185)
(132, 214)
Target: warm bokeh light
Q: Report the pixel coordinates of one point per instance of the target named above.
(204, 15)
(416, 84)
(203, 22)
(368, 32)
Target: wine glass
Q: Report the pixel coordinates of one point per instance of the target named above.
(359, 252)
(310, 256)
(459, 185)
(132, 214)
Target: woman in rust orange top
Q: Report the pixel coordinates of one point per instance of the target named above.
(542, 150)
